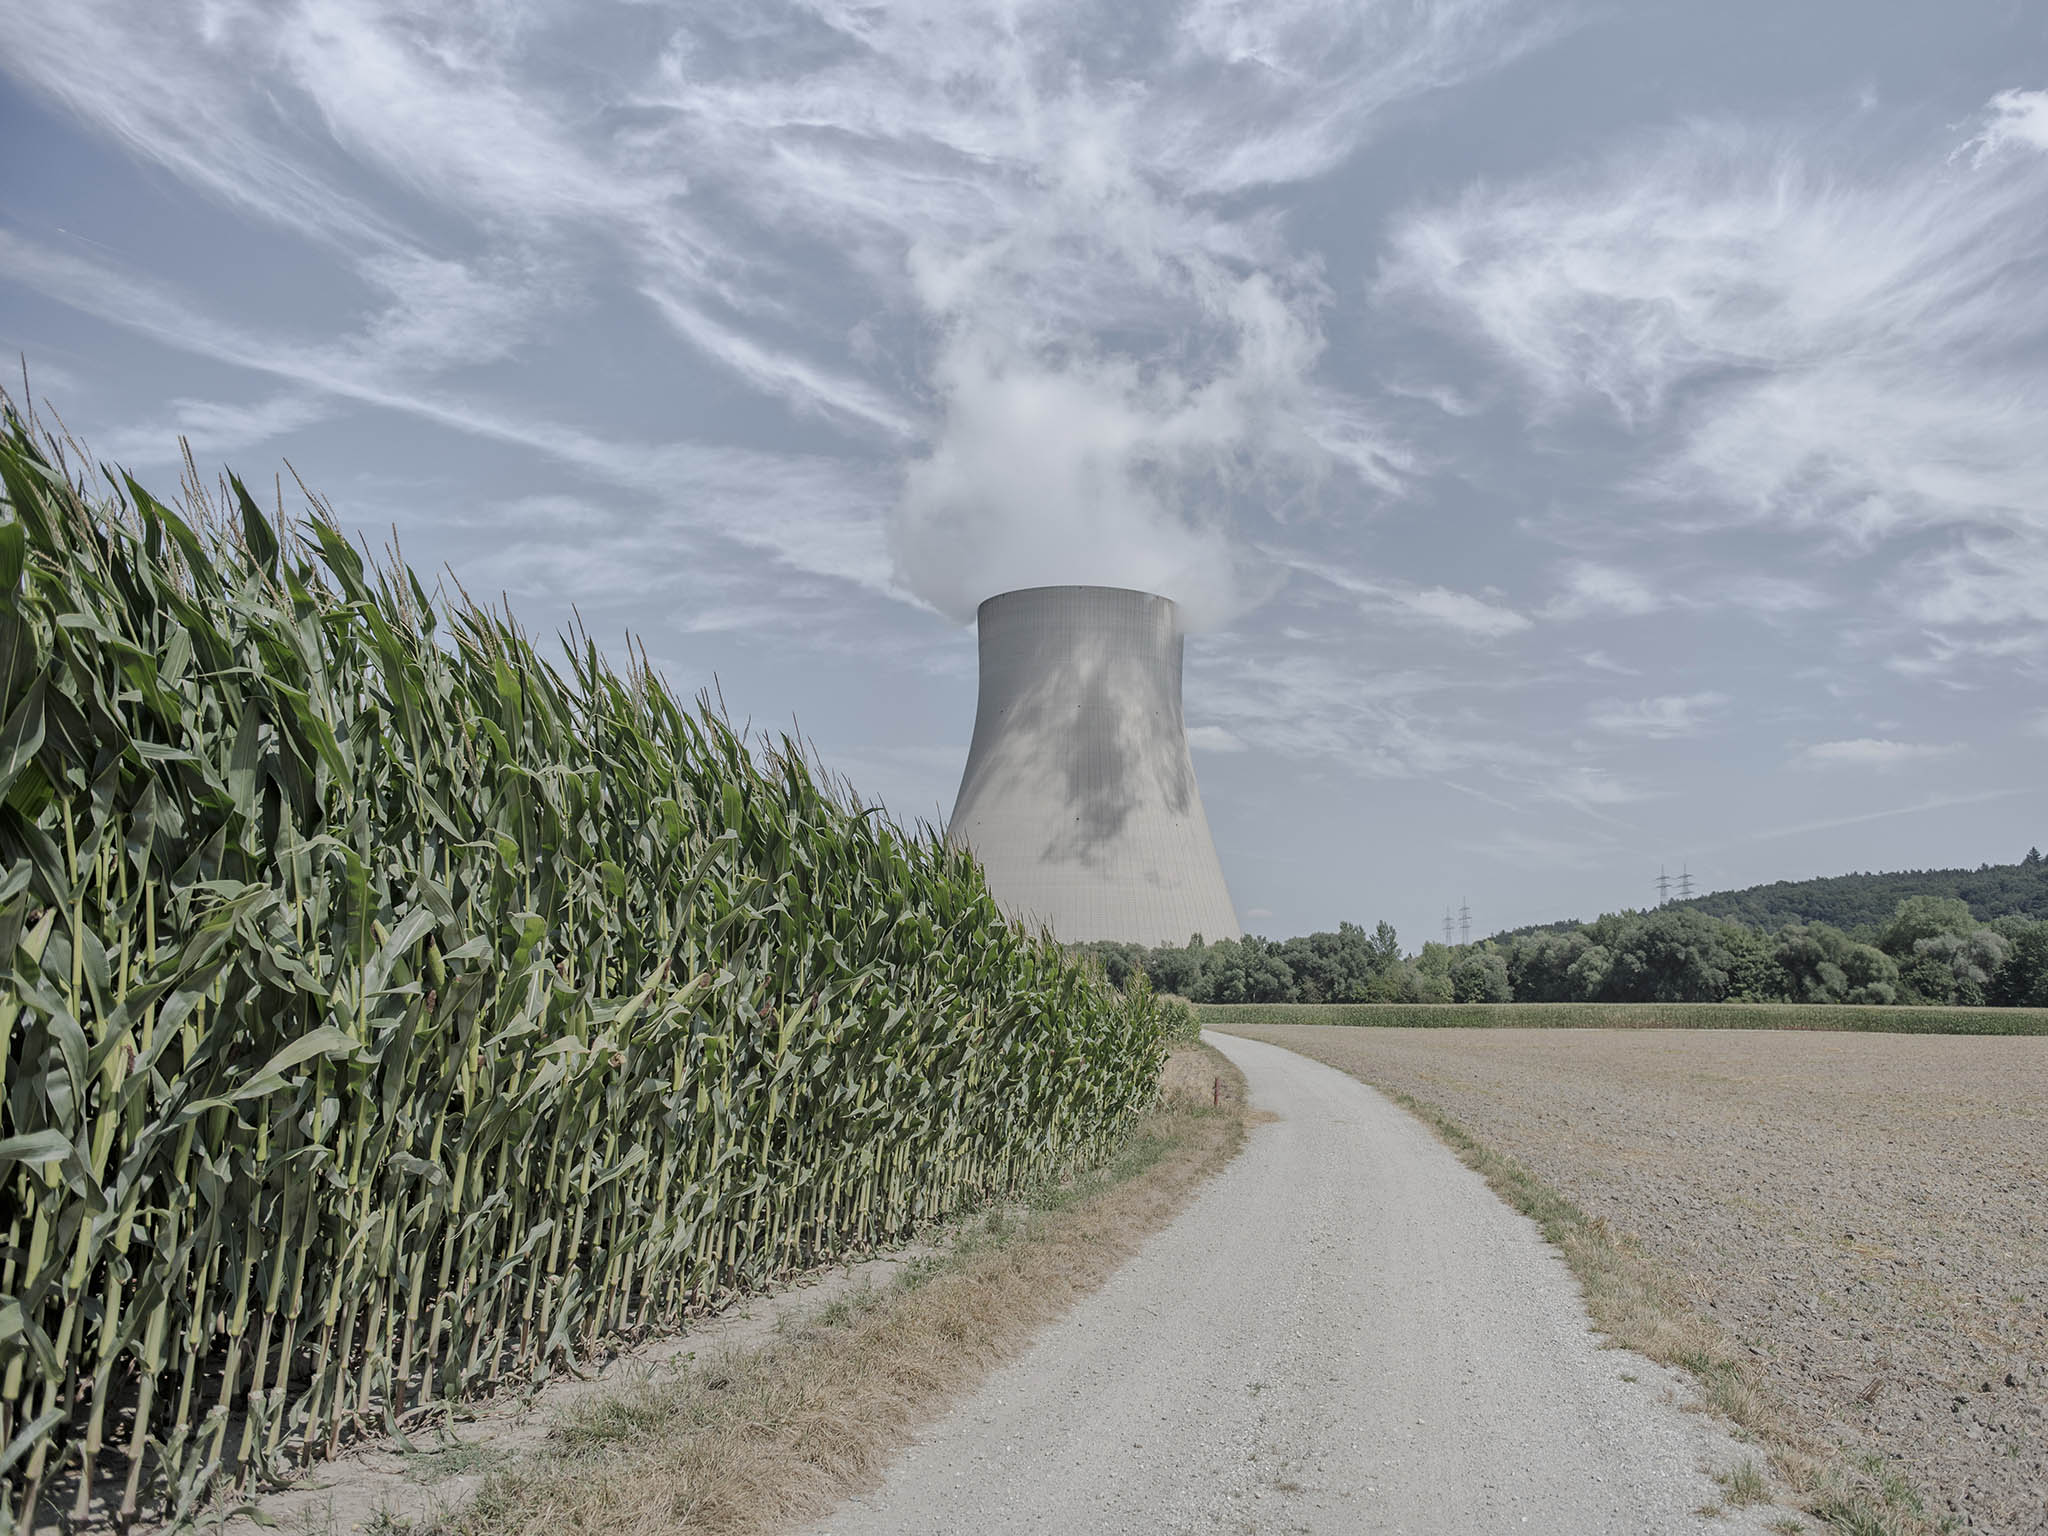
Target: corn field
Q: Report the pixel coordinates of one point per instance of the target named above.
(393, 1015)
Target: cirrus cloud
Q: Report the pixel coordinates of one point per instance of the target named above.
(1871, 752)
(1802, 337)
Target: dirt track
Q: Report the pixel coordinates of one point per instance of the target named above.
(1345, 1332)
(1867, 1212)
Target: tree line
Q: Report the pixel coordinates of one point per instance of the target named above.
(1864, 903)
(1930, 950)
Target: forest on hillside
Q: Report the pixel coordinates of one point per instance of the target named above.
(1862, 903)
(1927, 949)
(1868, 900)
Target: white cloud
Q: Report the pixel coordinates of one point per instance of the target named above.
(1477, 617)
(1590, 588)
(1801, 339)
(1391, 723)
(1305, 79)
(1462, 611)
(1664, 718)
(166, 83)
(1591, 789)
(1984, 579)
(215, 428)
(1760, 592)
(1214, 738)
(1871, 752)
(2038, 726)
(806, 386)
(1600, 661)
(810, 513)
(2013, 120)
(1933, 803)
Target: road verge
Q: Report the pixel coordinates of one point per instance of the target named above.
(764, 1438)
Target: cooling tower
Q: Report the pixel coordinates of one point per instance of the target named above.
(1079, 796)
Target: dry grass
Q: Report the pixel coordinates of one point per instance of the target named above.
(763, 1440)
(1639, 1304)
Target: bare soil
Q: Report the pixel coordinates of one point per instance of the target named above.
(1866, 1214)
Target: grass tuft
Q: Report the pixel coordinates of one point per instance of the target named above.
(1744, 1484)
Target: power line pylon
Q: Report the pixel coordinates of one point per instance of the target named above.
(1663, 886)
(1447, 927)
(1464, 922)
(1684, 885)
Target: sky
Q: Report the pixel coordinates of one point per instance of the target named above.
(1584, 439)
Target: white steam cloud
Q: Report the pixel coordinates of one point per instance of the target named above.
(1124, 373)
(1060, 458)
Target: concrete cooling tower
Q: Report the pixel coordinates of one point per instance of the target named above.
(1079, 796)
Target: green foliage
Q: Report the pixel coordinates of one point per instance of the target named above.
(1669, 956)
(1178, 1021)
(1931, 951)
(2022, 981)
(1821, 964)
(1868, 901)
(1867, 1020)
(1349, 965)
(1480, 975)
(391, 1015)
(1918, 919)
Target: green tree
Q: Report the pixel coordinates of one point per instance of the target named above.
(1246, 970)
(2022, 978)
(1434, 959)
(1672, 955)
(1174, 969)
(1480, 976)
(1425, 978)
(1539, 965)
(1337, 967)
(1925, 917)
(1586, 978)
(1428, 986)
(1385, 946)
(1754, 975)
(1822, 964)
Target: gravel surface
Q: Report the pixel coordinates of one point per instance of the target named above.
(1869, 1213)
(1345, 1332)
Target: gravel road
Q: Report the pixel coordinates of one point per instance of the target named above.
(1345, 1332)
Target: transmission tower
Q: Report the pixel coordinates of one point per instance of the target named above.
(1447, 927)
(1684, 885)
(1663, 886)
(1464, 922)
